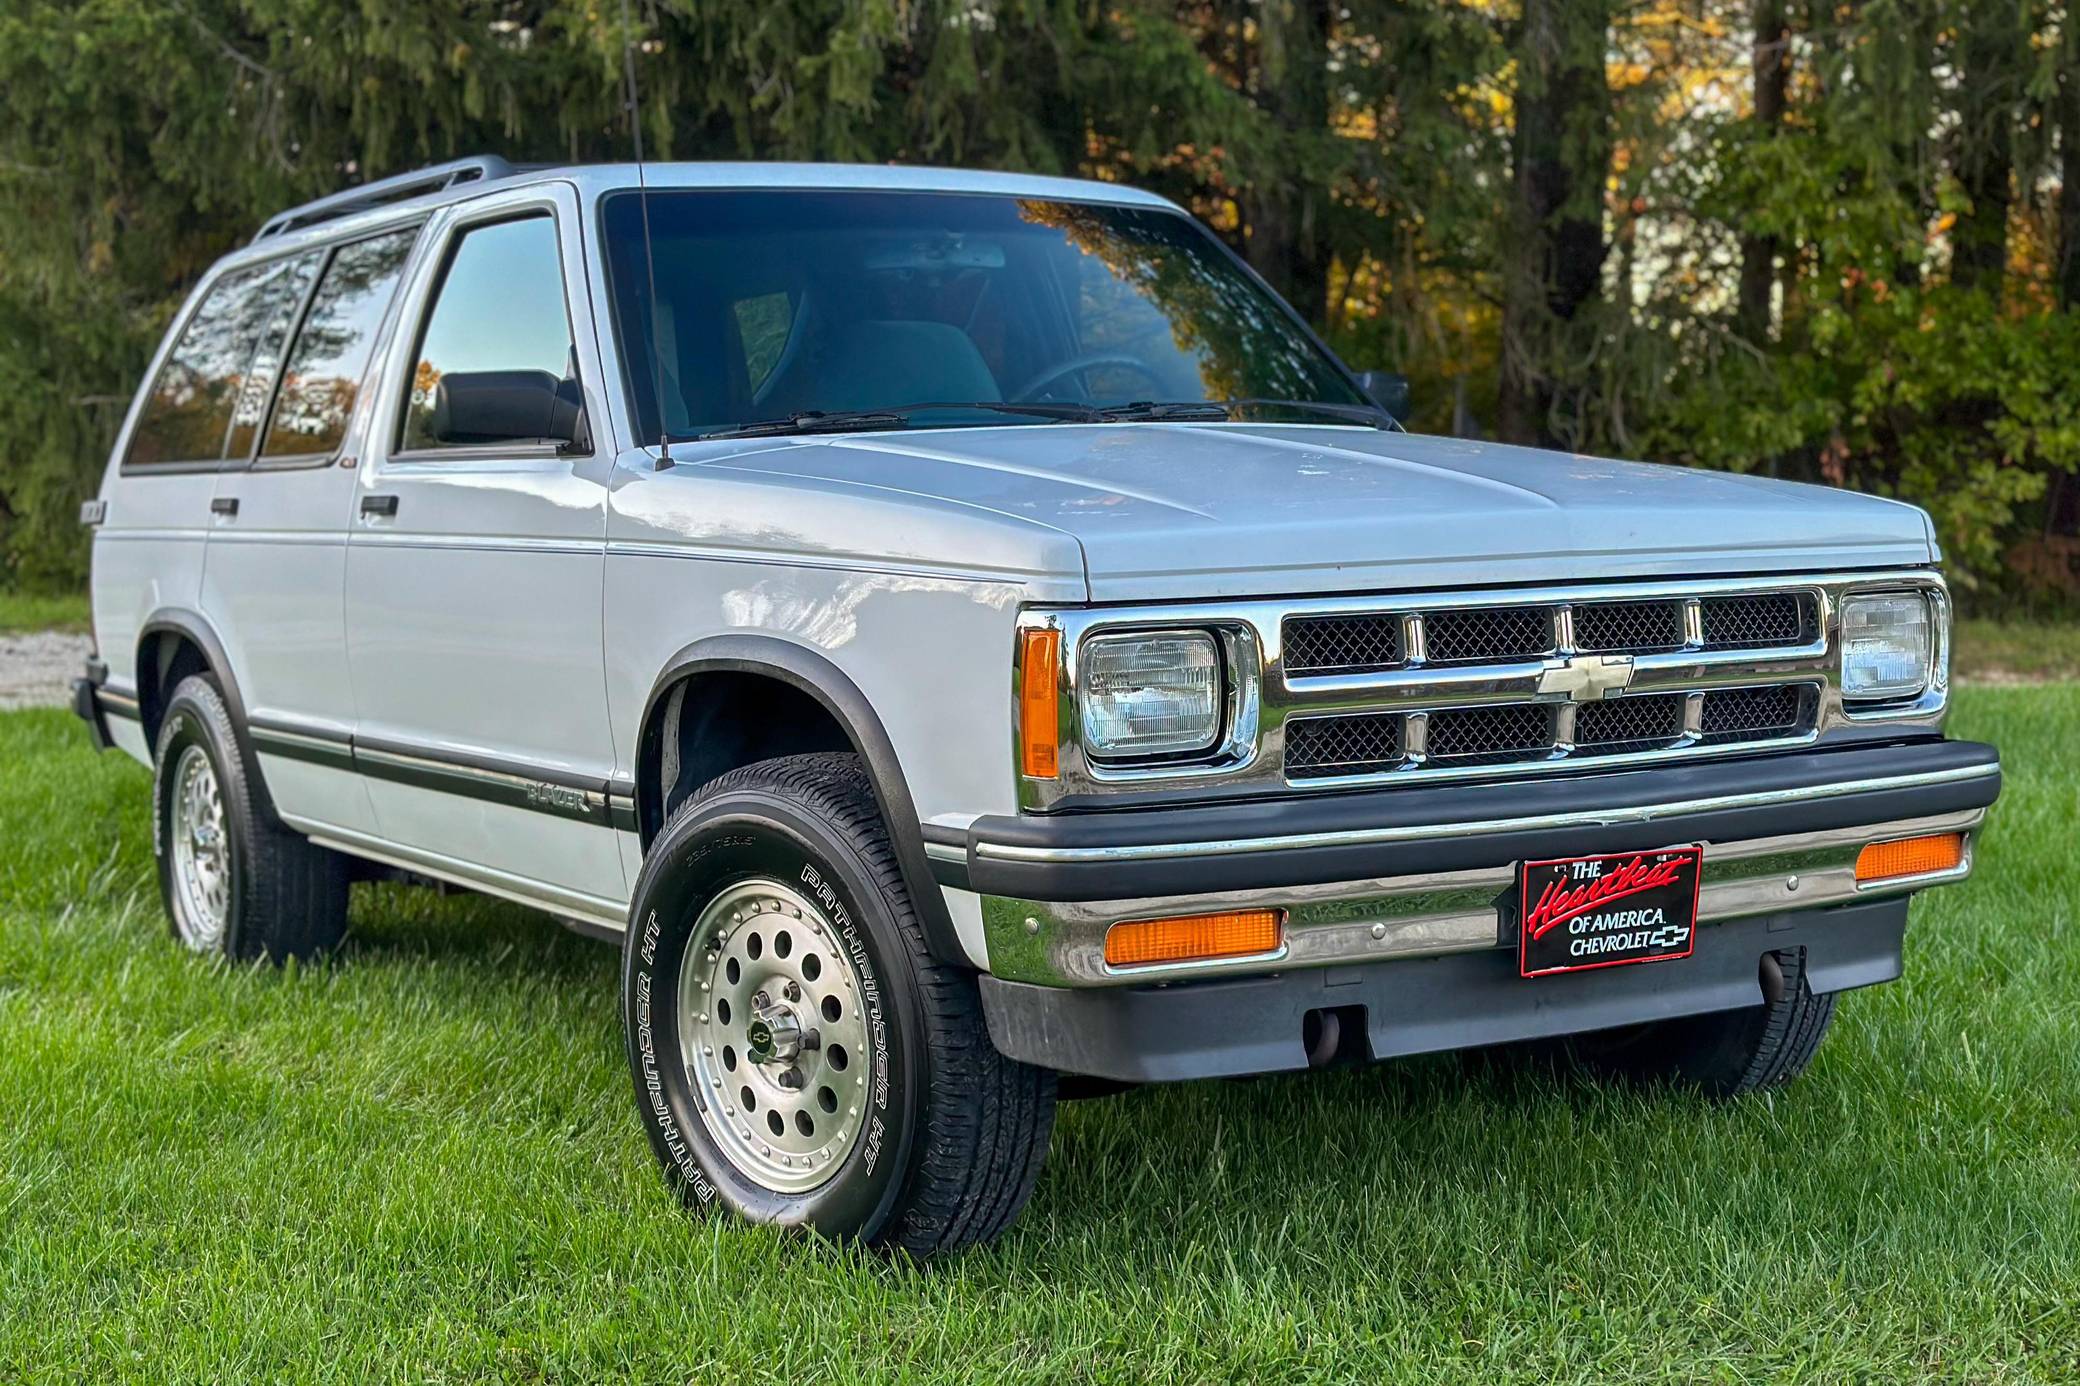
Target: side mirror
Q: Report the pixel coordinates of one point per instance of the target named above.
(508, 407)
(1389, 391)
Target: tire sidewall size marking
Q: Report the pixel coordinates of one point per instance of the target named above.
(698, 859)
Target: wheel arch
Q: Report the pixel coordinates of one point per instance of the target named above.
(808, 678)
(172, 643)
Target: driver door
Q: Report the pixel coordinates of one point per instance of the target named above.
(475, 570)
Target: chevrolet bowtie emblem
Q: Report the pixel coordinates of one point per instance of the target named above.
(1586, 678)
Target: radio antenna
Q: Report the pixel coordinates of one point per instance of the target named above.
(635, 130)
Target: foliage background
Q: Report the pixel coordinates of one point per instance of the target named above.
(1833, 240)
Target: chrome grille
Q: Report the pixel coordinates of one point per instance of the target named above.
(1489, 633)
(1318, 746)
(1369, 642)
(1628, 627)
(1744, 714)
(1637, 723)
(1331, 692)
(1333, 644)
(1740, 623)
(1486, 735)
(1522, 684)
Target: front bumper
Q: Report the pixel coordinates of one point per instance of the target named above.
(93, 703)
(1262, 1024)
(1409, 873)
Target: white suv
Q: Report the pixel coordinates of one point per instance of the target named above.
(973, 643)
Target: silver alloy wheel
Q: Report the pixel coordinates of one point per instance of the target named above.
(773, 1025)
(201, 852)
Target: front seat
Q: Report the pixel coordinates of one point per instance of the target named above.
(869, 365)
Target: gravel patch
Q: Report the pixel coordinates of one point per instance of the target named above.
(37, 670)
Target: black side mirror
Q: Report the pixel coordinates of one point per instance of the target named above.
(508, 407)
(1389, 391)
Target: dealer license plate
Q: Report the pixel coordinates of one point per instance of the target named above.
(1629, 907)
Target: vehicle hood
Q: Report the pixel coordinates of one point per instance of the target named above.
(1165, 511)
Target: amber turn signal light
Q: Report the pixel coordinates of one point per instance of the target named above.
(1913, 856)
(1039, 720)
(1194, 937)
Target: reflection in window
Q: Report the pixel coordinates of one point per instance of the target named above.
(499, 310)
(331, 354)
(763, 324)
(281, 292)
(188, 413)
(770, 303)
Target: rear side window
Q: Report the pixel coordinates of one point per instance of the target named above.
(497, 322)
(282, 293)
(323, 377)
(187, 417)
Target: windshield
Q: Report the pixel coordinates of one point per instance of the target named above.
(771, 304)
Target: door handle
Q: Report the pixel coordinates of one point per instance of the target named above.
(379, 505)
(227, 506)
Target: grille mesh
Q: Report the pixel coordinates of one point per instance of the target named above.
(1500, 632)
(1321, 746)
(1741, 623)
(1341, 644)
(1630, 723)
(1628, 627)
(1476, 734)
(1753, 714)
(1358, 743)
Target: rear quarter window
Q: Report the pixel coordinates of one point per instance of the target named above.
(187, 417)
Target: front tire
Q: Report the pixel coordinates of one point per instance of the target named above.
(799, 1056)
(233, 880)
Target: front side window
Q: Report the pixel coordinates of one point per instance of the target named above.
(495, 357)
(773, 303)
(323, 376)
(188, 417)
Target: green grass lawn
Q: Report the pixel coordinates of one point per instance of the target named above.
(2018, 649)
(24, 611)
(422, 1162)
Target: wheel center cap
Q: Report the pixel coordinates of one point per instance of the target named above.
(773, 1035)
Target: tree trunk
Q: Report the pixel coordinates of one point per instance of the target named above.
(1988, 76)
(2068, 99)
(1771, 65)
(1284, 208)
(1560, 154)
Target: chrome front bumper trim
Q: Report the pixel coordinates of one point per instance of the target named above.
(1351, 922)
(1367, 837)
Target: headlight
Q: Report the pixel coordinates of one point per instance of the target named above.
(1888, 644)
(1151, 694)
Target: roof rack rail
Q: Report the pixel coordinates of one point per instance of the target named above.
(397, 187)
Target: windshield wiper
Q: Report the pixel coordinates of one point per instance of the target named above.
(1213, 410)
(895, 416)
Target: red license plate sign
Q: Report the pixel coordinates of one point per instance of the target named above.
(1631, 907)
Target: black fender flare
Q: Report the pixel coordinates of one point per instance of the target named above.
(195, 627)
(832, 688)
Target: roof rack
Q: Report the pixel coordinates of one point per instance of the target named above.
(396, 188)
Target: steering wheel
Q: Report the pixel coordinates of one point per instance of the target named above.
(1031, 389)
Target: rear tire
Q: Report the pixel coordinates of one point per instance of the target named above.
(799, 1055)
(233, 880)
(1727, 1053)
